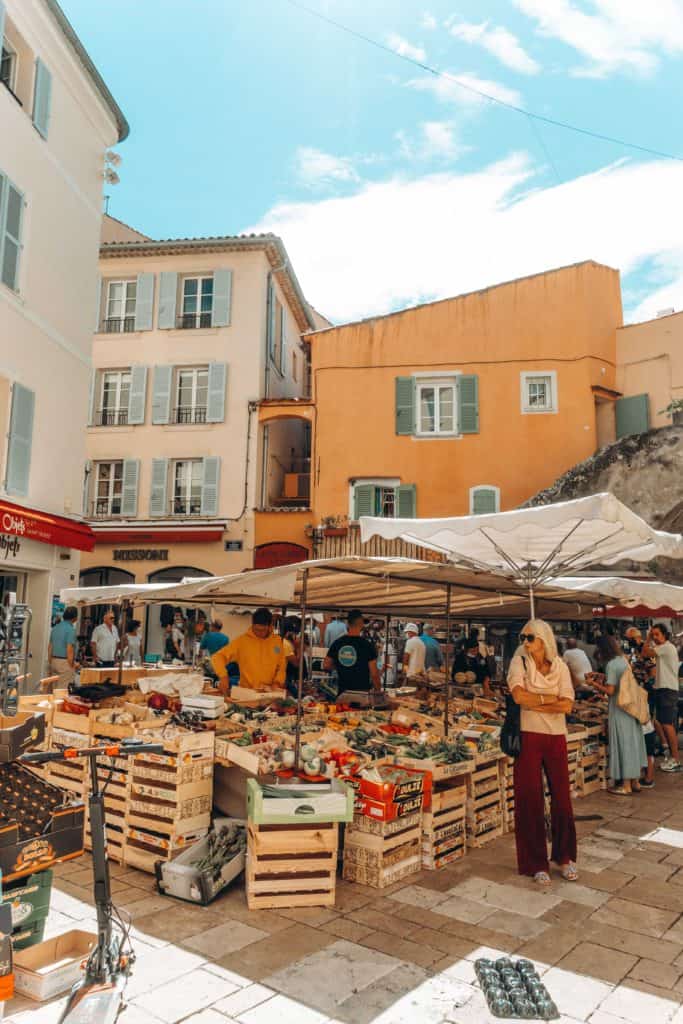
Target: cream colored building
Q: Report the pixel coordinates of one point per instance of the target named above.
(650, 370)
(57, 119)
(193, 336)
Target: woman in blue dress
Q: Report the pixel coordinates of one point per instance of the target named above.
(627, 755)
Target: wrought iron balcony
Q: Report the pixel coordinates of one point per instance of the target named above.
(189, 414)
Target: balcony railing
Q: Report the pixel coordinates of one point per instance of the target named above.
(118, 325)
(188, 321)
(111, 417)
(105, 508)
(185, 506)
(189, 414)
(376, 547)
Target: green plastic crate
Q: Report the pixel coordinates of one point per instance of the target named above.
(27, 936)
(336, 804)
(28, 898)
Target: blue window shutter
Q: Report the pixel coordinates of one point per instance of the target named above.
(484, 501)
(20, 440)
(98, 305)
(168, 297)
(468, 403)
(144, 302)
(42, 98)
(161, 394)
(91, 397)
(218, 374)
(129, 488)
(11, 221)
(212, 472)
(405, 405)
(270, 325)
(2, 20)
(157, 494)
(87, 473)
(363, 500)
(283, 339)
(137, 395)
(406, 501)
(632, 415)
(222, 298)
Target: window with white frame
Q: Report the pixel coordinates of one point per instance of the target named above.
(120, 308)
(436, 412)
(539, 392)
(192, 394)
(187, 487)
(8, 66)
(114, 398)
(197, 302)
(108, 488)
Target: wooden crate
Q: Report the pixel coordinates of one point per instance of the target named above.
(143, 847)
(380, 857)
(485, 808)
(291, 865)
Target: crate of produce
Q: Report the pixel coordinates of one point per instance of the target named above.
(174, 768)
(379, 810)
(373, 858)
(439, 770)
(20, 733)
(291, 865)
(444, 828)
(71, 721)
(125, 721)
(395, 783)
(326, 802)
(204, 870)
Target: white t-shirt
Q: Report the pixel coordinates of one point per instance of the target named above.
(416, 651)
(105, 641)
(578, 663)
(667, 666)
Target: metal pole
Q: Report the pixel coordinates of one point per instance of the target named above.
(447, 667)
(122, 623)
(386, 652)
(297, 741)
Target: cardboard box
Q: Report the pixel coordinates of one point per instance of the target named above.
(19, 733)
(52, 967)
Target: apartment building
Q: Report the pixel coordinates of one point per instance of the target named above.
(650, 374)
(194, 340)
(57, 120)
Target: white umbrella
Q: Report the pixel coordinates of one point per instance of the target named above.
(627, 592)
(536, 545)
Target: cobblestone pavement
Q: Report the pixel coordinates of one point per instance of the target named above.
(609, 948)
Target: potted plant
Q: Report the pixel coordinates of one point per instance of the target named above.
(335, 526)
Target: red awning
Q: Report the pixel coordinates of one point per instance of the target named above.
(641, 611)
(30, 524)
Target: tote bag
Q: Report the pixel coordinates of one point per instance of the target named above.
(511, 732)
(631, 698)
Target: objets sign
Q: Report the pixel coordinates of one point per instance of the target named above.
(141, 555)
(10, 546)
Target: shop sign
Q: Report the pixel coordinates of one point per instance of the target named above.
(141, 555)
(9, 545)
(29, 524)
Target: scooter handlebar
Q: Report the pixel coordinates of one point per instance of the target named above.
(122, 749)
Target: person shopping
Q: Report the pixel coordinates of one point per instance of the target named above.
(540, 684)
(627, 754)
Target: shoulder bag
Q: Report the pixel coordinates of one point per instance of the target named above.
(511, 732)
(632, 698)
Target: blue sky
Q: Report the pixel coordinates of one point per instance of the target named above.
(390, 186)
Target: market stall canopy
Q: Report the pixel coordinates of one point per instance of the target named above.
(379, 586)
(536, 545)
(651, 595)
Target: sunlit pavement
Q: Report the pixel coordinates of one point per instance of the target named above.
(610, 948)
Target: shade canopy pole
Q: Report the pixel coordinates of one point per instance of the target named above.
(123, 617)
(446, 659)
(300, 687)
(386, 652)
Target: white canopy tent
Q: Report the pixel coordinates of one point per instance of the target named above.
(536, 545)
(627, 592)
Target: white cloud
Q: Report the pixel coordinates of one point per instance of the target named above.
(436, 140)
(450, 89)
(403, 48)
(616, 34)
(403, 241)
(317, 169)
(499, 42)
(429, 22)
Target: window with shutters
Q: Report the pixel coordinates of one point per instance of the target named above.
(11, 222)
(539, 392)
(187, 476)
(8, 67)
(119, 313)
(277, 337)
(108, 489)
(387, 498)
(114, 398)
(436, 406)
(192, 394)
(197, 302)
(484, 499)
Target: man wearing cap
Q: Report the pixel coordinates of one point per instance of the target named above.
(414, 652)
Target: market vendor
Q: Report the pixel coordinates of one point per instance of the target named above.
(354, 658)
(259, 653)
(469, 668)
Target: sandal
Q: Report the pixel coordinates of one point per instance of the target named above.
(635, 787)
(542, 878)
(569, 872)
(618, 792)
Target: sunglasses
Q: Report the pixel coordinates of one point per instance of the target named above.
(527, 638)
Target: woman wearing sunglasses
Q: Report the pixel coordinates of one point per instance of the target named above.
(540, 683)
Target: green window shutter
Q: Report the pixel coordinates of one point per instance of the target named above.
(218, 374)
(86, 486)
(283, 339)
(212, 472)
(157, 494)
(168, 297)
(632, 415)
(42, 98)
(129, 488)
(468, 403)
(11, 218)
(137, 395)
(270, 324)
(20, 440)
(363, 500)
(405, 405)
(98, 305)
(144, 302)
(91, 397)
(2, 20)
(222, 298)
(406, 501)
(483, 501)
(161, 394)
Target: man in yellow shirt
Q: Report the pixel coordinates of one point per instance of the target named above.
(259, 653)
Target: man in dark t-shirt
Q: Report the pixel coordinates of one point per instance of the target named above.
(354, 658)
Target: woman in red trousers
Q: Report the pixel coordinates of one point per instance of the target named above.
(540, 683)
